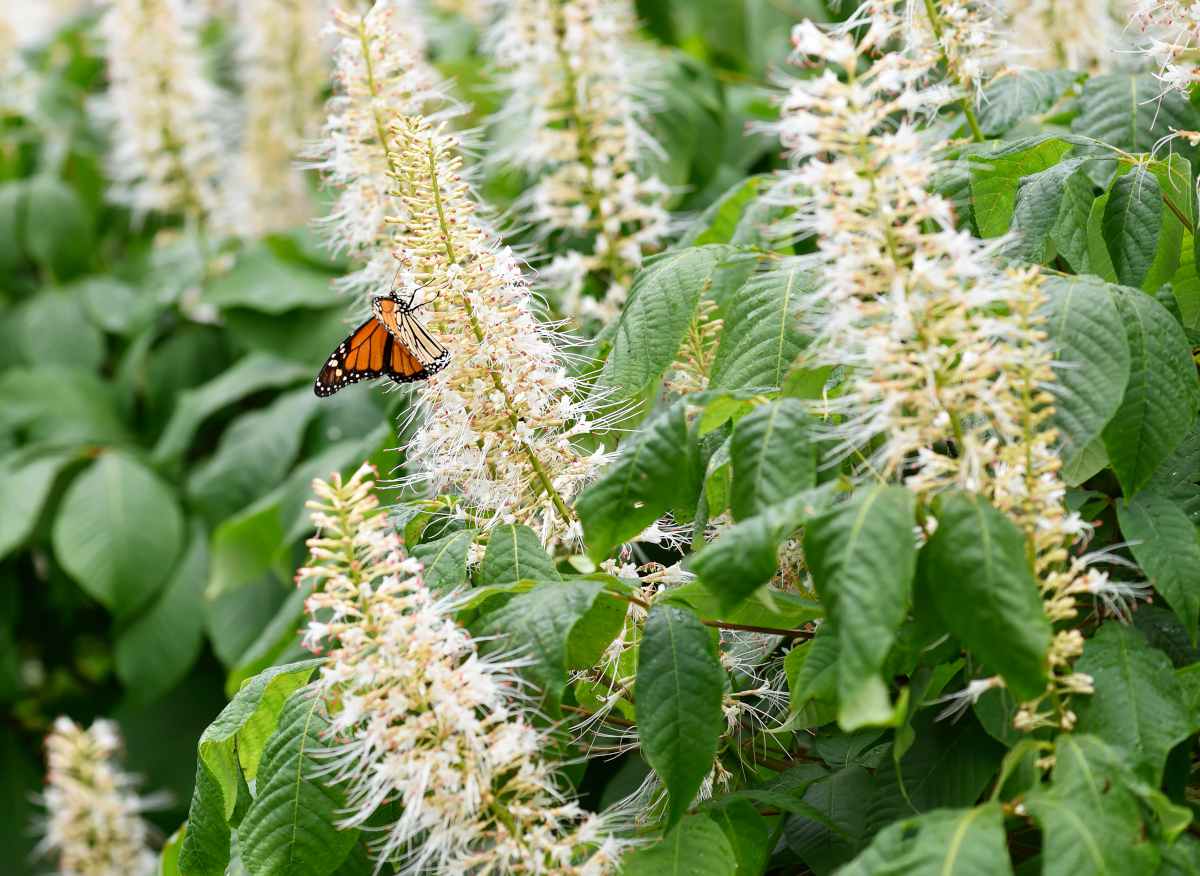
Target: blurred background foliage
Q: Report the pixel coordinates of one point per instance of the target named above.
(158, 432)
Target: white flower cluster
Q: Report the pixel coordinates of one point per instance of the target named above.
(380, 74)
(500, 419)
(946, 348)
(575, 74)
(283, 73)
(421, 718)
(1171, 30)
(166, 150)
(93, 824)
(1075, 34)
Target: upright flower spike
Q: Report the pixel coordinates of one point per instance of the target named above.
(499, 420)
(380, 74)
(420, 717)
(1070, 34)
(944, 346)
(166, 150)
(283, 72)
(93, 824)
(575, 73)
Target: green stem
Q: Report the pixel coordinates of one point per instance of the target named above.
(380, 127)
(477, 330)
(935, 22)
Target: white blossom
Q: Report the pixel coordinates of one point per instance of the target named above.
(166, 153)
(420, 716)
(93, 824)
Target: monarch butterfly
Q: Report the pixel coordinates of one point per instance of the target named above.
(389, 344)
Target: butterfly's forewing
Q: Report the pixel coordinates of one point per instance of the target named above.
(391, 344)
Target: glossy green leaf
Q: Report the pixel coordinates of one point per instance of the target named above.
(678, 692)
(25, 483)
(155, 651)
(1163, 540)
(1090, 818)
(290, 828)
(695, 847)
(862, 557)
(944, 842)
(995, 177)
(1161, 396)
(254, 373)
(652, 471)
(1019, 95)
(774, 456)
(445, 560)
(762, 336)
(975, 573)
(656, 318)
(118, 532)
(1138, 706)
(538, 625)
(514, 552)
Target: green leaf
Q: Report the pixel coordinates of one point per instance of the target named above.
(695, 847)
(719, 221)
(1138, 706)
(155, 651)
(25, 483)
(445, 560)
(747, 833)
(773, 456)
(263, 282)
(514, 552)
(996, 176)
(113, 305)
(58, 228)
(1016, 96)
(249, 375)
(168, 861)
(1132, 221)
(1099, 261)
(812, 669)
(761, 335)
(1070, 230)
(862, 557)
(291, 825)
(767, 607)
(1089, 817)
(678, 692)
(1163, 541)
(1161, 396)
(244, 547)
(55, 314)
(944, 842)
(656, 318)
(61, 406)
(1133, 112)
(255, 453)
(840, 803)
(745, 556)
(118, 532)
(1087, 333)
(206, 842)
(1040, 198)
(232, 745)
(977, 578)
(651, 472)
(538, 625)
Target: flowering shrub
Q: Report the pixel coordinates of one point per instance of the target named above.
(811, 487)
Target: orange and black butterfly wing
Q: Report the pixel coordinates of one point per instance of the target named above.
(362, 356)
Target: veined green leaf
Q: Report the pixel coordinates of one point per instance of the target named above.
(678, 693)
(862, 557)
(1132, 223)
(995, 177)
(1018, 96)
(445, 560)
(1132, 112)
(25, 482)
(944, 842)
(1163, 540)
(773, 455)
(513, 553)
(975, 573)
(695, 847)
(291, 825)
(1138, 706)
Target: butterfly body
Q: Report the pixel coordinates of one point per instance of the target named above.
(392, 344)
